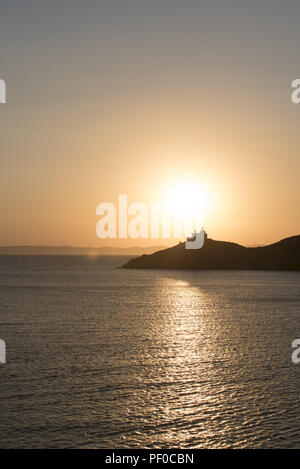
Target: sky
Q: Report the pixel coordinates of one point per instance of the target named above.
(129, 97)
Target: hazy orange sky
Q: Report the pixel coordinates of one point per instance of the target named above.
(109, 98)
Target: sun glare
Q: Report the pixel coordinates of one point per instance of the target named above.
(189, 199)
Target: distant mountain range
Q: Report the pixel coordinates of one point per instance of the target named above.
(76, 251)
(284, 255)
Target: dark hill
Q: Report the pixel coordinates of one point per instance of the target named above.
(284, 255)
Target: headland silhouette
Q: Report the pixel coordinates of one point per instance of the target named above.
(222, 255)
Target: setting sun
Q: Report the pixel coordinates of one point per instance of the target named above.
(190, 200)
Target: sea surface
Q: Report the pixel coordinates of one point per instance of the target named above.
(101, 357)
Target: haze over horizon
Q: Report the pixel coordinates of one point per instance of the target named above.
(130, 98)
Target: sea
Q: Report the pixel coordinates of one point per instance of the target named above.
(103, 357)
